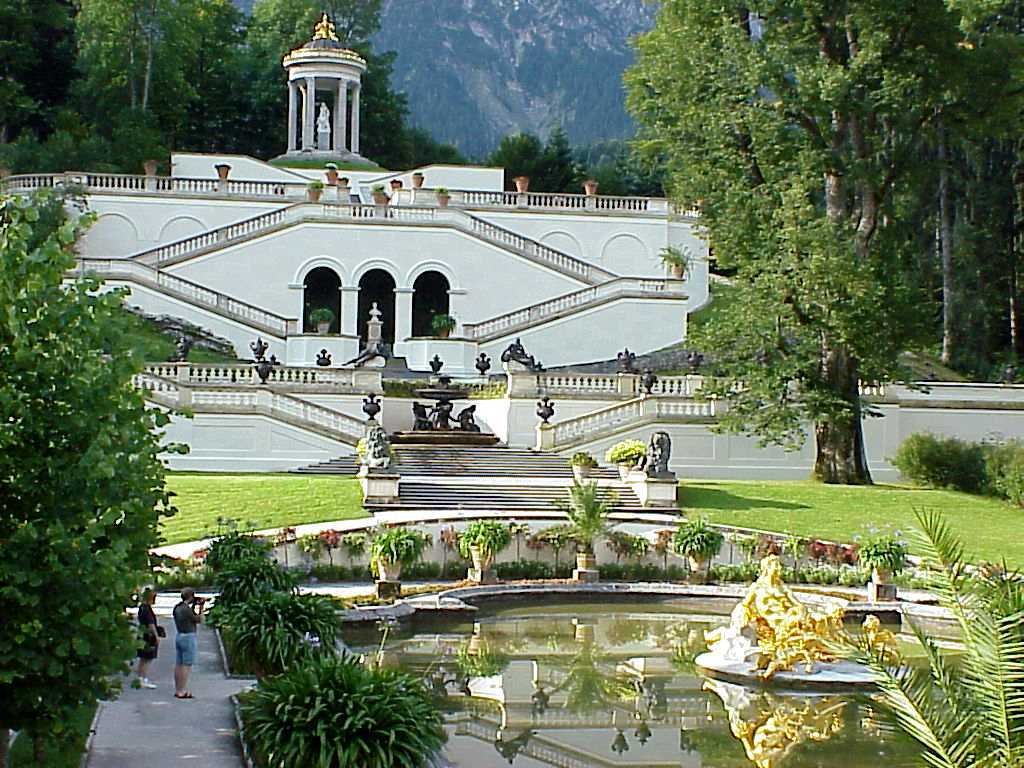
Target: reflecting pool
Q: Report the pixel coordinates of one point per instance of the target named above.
(584, 686)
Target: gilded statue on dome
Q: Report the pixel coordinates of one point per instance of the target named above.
(774, 630)
(324, 30)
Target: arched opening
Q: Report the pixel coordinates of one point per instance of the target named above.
(429, 298)
(321, 290)
(377, 286)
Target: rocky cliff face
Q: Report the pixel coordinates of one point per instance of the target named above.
(476, 70)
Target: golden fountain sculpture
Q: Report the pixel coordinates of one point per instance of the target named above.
(772, 630)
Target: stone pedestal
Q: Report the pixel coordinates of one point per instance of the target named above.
(586, 575)
(484, 576)
(379, 487)
(656, 491)
(881, 593)
(389, 590)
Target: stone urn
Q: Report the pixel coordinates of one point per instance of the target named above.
(481, 562)
(332, 175)
(443, 198)
(396, 184)
(586, 561)
(581, 472)
(590, 187)
(313, 194)
(223, 169)
(388, 571)
(676, 271)
(381, 198)
(624, 470)
(545, 409)
(149, 167)
(697, 564)
(371, 406)
(417, 180)
(881, 575)
(522, 184)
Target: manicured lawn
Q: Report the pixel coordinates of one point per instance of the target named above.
(257, 501)
(989, 528)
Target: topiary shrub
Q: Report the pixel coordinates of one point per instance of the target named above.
(335, 712)
(234, 547)
(942, 462)
(270, 631)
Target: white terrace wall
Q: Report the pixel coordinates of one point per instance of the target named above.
(476, 178)
(243, 168)
(129, 224)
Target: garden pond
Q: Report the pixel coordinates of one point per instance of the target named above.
(592, 685)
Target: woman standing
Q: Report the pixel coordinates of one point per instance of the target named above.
(151, 636)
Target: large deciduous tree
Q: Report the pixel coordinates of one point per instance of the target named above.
(797, 124)
(81, 487)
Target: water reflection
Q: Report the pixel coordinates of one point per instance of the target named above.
(594, 686)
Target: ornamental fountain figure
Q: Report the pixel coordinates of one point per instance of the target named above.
(377, 455)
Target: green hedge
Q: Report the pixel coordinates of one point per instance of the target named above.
(946, 462)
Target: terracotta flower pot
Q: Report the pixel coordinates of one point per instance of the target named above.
(396, 184)
(323, 328)
(697, 564)
(332, 176)
(590, 187)
(881, 575)
(676, 270)
(389, 571)
(379, 198)
(149, 167)
(417, 180)
(586, 561)
(443, 200)
(223, 169)
(522, 183)
(314, 195)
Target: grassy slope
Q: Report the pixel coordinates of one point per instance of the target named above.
(150, 345)
(988, 527)
(257, 501)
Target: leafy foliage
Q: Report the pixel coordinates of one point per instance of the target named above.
(970, 713)
(235, 547)
(941, 462)
(884, 553)
(582, 459)
(81, 484)
(626, 452)
(336, 713)
(270, 631)
(397, 545)
(489, 536)
(245, 579)
(587, 510)
(697, 539)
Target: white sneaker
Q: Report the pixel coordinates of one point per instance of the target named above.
(146, 684)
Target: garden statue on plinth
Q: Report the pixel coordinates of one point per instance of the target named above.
(654, 463)
(265, 367)
(516, 355)
(437, 426)
(323, 129)
(259, 349)
(379, 482)
(651, 479)
(773, 635)
(181, 350)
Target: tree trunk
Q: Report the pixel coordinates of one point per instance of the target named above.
(946, 248)
(839, 442)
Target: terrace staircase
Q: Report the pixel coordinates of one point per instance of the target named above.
(479, 481)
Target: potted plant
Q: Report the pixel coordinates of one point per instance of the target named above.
(587, 510)
(698, 542)
(314, 189)
(482, 541)
(443, 196)
(396, 184)
(332, 174)
(417, 180)
(676, 260)
(149, 167)
(380, 197)
(886, 556)
(582, 464)
(442, 325)
(590, 187)
(322, 318)
(522, 183)
(395, 548)
(626, 454)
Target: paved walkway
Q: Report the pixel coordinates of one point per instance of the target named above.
(153, 729)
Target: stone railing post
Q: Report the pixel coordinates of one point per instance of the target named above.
(184, 397)
(522, 385)
(545, 437)
(181, 373)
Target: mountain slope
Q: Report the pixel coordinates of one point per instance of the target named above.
(476, 70)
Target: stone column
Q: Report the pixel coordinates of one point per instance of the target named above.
(356, 88)
(349, 310)
(403, 314)
(293, 96)
(309, 113)
(340, 116)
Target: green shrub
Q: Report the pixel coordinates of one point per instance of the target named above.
(524, 570)
(886, 553)
(481, 661)
(1004, 471)
(249, 578)
(489, 536)
(234, 547)
(322, 572)
(696, 538)
(398, 545)
(267, 633)
(942, 462)
(626, 452)
(321, 315)
(582, 459)
(336, 713)
(422, 570)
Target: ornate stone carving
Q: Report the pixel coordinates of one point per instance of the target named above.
(421, 419)
(441, 415)
(626, 361)
(371, 406)
(654, 463)
(545, 409)
(259, 348)
(324, 358)
(377, 453)
(436, 364)
(483, 363)
(694, 360)
(181, 350)
(648, 380)
(516, 353)
(264, 368)
(467, 419)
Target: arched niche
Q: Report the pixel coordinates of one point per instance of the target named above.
(377, 286)
(429, 298)
(321, 289)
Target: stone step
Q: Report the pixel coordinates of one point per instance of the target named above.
(428, 496)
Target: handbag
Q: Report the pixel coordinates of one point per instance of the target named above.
(160, 631)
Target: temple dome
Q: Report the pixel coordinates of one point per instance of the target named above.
(325, 44)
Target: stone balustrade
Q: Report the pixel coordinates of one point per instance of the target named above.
(281, 377)
(598, 385)
(121, 183)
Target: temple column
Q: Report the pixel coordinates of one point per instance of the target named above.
(340, 116)
(403, 314)
(356, 88)
(349, 310)
(309, 114)
(293, 95)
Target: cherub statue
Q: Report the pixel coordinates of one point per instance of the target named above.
(467, 420)
(421, 420)
(659, 450)
(378, 450)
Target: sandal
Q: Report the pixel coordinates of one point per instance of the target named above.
(184, 696)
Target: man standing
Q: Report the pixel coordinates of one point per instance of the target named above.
(188, 614)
